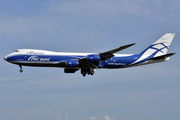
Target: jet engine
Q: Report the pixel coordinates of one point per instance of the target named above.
(67, 70)
(72, 63)
(93, 58)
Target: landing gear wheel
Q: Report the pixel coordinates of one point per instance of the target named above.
(92, 72)
(84, 74)
(20, 70)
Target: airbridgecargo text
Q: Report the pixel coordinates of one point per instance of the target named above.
(36, 58)
(116, 63)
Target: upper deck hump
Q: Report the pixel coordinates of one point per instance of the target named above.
(46, 52)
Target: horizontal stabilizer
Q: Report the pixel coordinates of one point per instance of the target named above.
(162, 56)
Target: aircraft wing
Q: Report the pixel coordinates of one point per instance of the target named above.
(102, 56)
(60, 63)
(87, 64)
(83, 62)
(107, 55)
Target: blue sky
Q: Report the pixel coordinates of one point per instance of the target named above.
(145, 92)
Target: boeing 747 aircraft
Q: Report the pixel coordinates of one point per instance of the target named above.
(88, 62)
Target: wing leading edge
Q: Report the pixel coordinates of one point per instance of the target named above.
(107, 55)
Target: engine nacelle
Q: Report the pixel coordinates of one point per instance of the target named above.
(72, 63)
(93, 58)
(67, 70)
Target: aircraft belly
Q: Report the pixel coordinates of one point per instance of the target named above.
(32, 63)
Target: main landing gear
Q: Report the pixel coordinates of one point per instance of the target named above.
(21, 70)
(88, 71)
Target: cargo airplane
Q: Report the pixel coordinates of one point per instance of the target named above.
(88, 62)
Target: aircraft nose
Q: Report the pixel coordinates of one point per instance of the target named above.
(5, 58)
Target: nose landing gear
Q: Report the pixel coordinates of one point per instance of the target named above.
(21, 70)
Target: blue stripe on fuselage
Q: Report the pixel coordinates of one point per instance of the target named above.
(119, 62)
(115, 62)
(41, 58)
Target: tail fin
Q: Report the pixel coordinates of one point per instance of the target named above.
(160, 47)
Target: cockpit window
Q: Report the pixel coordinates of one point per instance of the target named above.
(16, 51)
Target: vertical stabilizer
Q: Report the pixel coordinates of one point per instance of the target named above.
(157, 49)
(160, 47)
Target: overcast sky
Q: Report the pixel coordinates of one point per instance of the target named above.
(148, 92)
